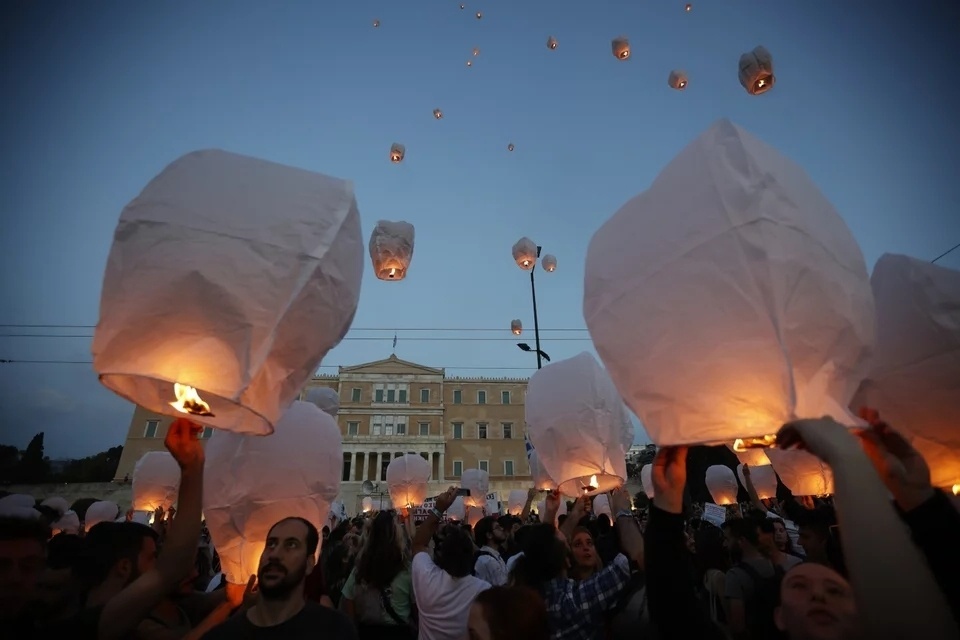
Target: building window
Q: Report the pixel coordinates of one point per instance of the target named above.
(482, 430)
(388, 426)
(424, 395)
(384, 463)
(150, 431)
(504, 397)
(403, 396)
(508, 467)
(346, 468)
(376, 426)
(355, 395)
(457, 430)
(485, 465)
(353, 428)
(391, 395)
(378, 395)
(507, 430)
(401, 429)
(424, 428)
(481, 397)
(457, 396)
(457, 468)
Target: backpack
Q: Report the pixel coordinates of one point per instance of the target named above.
(760, 607)
(476, 556)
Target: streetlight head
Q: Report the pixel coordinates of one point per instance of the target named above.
(524, 346)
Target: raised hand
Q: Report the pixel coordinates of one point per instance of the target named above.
(669, 476)
(183, 445)
(899, 465)
(825, 438)
(445, 499)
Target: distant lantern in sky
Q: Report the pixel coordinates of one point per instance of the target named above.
(621, 48)
(525, 253)
(549, 262)
(756, 71)
(437, 114)
(677, 80)
(397, 152)
(462, 6)
(391, 249)
(688, 7)
(469, 63)
(376, 23)
(551, 43)
(479, 15)
(722, 484)
(476, 51)
(516, 327)
(510, 147)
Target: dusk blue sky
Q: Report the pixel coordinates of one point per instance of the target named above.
(99, 95)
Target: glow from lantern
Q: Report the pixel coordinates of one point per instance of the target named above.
(189, 401)
(763, 442)
(593, 485)
(956, 489)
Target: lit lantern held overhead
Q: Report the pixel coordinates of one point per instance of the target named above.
(156, 481)
(621, 48)
(477, 481)
(763, 479)
(722, 484)
(756, 71)
(551, 43)
(677, 80)
(516, 327)
(407, 478)
(525, 253)
(391, 249)
(549, 263)
(437, 114)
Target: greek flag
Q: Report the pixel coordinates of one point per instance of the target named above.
(527, 446)
(394, 341)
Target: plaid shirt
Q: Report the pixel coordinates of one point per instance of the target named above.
(575, 609)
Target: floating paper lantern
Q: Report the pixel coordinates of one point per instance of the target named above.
(516, 502)
(366, 505)
(68, 523)
(437, 114)
(915, 375)
(228, 281)
(407, 478)
(391, 249)
(646, 480)
(793, 341)
(102, 511)
(722, 484)
(803, 473)
(479, 15)
(688, 8)
(249, 484)
(58, 504)
(575, 421)
(474, 515)
(755, 457)
(156, 481)
(510, 147)
(525, 253)
(462, 6)
(764, 480)
(376, 23)
(551, 43)
(476, 52)
(516, 327)
(458, 510)
(621, 48)
(397, 152)
(601, 506)
(478, 482)
(541, 479)
(549, 263)
(756, 71)
(469, 63)
(677, 80)
(326, 398)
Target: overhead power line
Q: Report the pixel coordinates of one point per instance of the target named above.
(360, 338)
(946, 253)
(325, 366)
(391, 329)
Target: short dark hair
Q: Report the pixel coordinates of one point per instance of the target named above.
(455, 553)
(313, 536)
(22, 528)
(483, 529)
(744, 528)
(63, 551)
(106, 544)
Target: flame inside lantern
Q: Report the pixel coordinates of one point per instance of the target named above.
(189, 401)
(763, 442)
(593, 485)
(956, 489)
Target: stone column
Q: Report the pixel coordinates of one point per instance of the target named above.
(353, 467)
(441, 466)
(366, 466)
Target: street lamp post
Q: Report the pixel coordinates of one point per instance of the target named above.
(529, 262)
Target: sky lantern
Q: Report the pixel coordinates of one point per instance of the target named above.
(437, 114)
(525, 253)
(366, 504)
(754, 456)
(764, 480)
(326, 398)
(376, 23)
(18, 500)
(457, 511)
(914, 379)
(549, 263)
(551, 43)
(156, 481)
(541, 479)
(469, 63)
(229, 280)
(479, 15)
(620, 47)
(722, 484)
(575, 421)
(249, 484)
(476, 52)
(516, 501)
(510, 147)
(391, 249)
(646, 479)
(516, 327)
(478, 482)
(677, 80)
(462, 6)
(601, 506)
(688, 7)
(58, 504)
(68, 523)
(397, 152)
(801, 472)
(736, 262)
(756, 71)
(407, 478)
(102, 511)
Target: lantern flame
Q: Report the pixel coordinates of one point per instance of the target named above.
(593, 485)
(189, 401)
(763, 442)
(956, 489)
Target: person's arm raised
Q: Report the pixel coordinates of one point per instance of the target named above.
(124, 611)
(421, 541)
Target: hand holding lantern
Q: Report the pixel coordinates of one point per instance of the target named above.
(183, 444)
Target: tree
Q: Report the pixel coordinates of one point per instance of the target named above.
(9, 460)
(33, 467)
(95, 468)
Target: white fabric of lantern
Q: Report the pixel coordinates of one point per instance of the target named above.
(397, 152)
(366, 504)
(756, 71)
(915, 377)
(68, 523)
(251, 483)
(803, 473)
(525, 253)
(327, 399)
(764, 480)
(231, 275)
(515, 502)
(458, 510)
(474, 515)
(407, 478)
(18, 500)
(576, 421)
(391, 249)
(735, 261)
(755, 457)
(722, 484)
(646, 480)
(102, 511)
(19, 512)
(478, 482)
(601, 506)
(541, 479)
(58, 504)
(549, 263)
(156, 481)
(516, 327)
(677, 80)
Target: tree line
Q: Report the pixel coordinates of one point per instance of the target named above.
(31, 466)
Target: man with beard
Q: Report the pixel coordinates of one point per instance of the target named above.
(282, 610)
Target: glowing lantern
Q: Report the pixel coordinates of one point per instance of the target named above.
(366, 505)
(677, 80)
(794, 341)
(549, 262)
(476, 51)
(437, 114)
(376, 23)
(474, 515)
(478, 482)
(102, 511)
(915, 374)
(58, 504)
(391, 249)
(722, 484)
(397, 152)
(576, 422)
(802, 472)
(326, 398)
(510, 147)
(228, 281)
(756, 71)
(407, 478)
(18, 500)
(688, 8)
(516, 327)
(469, 63)
(551, 43)
(525, 253)
(156, 481)
(249, 484)
(541, 479)
(646, 480)
(621, 48)
(479, 15)
(68, 523)
(462, 6)
(516, 502)
(764, 480)
(755, 456)
(457, 510)
(542, 509)
(15, 506)
(601, 506)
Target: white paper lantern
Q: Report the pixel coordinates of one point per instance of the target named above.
(549, 263)
(541, 479)
(525, 252)
(474, 515)
(542, 509)
(755, 457)
(601, 506)
(391, 249)
(18, 500)
(102, 511)
(407, 478)
(646, 480)
(69, 523)
(516, 327)
(737, 262)
(677, 80)
(366, 505)
(230, 278)
(516, 501)
(802, 472)
(478, 482)
(397, 152)
(327, 399)
(576, 421)
(620, 47)
(58, 504)
(156, 481)
(252, 483)
(764, 480)
(551, 43)
(19, 512)
(722, 484)
(458, 510)
(915, 375)
(142, 517)
(756, 71)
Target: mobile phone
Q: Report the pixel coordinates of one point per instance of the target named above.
(463, 492)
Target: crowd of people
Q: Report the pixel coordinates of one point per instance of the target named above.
(878, 560)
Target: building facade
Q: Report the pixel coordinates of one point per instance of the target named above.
(391, 407)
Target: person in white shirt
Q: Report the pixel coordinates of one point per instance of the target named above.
(445, 589)
(489, 565)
